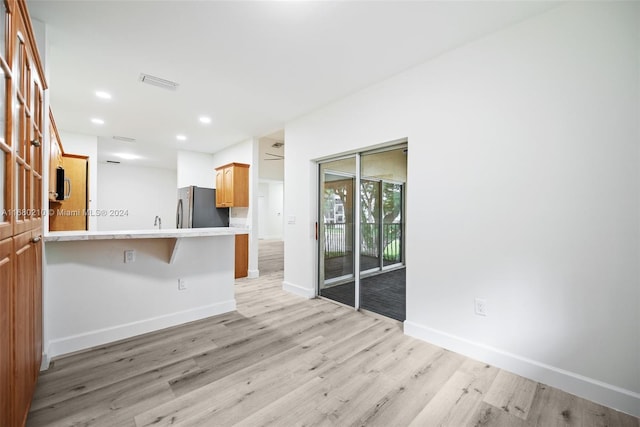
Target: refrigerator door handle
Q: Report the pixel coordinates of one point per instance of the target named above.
(179, 214)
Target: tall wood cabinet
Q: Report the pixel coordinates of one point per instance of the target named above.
(21, 197)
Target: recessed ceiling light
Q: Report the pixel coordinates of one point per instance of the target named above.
(181, 137)
(127, 156)
(97, 121)
(204, 119)
(103, 95)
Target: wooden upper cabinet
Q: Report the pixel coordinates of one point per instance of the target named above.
(55, 157)
(232, 185)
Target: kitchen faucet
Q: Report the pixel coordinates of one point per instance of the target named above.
(158, 222)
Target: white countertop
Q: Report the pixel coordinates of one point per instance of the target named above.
(175, 233)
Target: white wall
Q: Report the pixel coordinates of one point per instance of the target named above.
(523, 188)
(86, 145)
(141, 192)
(245, 152)
(195, 169)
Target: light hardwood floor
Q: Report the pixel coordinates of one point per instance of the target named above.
(281, 360)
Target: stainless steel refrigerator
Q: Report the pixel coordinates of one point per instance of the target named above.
(197, 209)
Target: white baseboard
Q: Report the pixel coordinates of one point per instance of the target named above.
(298, 290)
(606, 394)
(270, 238)
(70, 344)
(44, 364)
(253, 274)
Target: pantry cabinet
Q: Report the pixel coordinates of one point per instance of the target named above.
(232, 185)
(21, 211)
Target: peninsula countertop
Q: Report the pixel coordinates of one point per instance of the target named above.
(175, 233)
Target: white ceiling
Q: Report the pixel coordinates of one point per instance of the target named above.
(250, 66)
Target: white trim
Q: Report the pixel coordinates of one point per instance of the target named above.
(253, 274)
(90, 339)
(298, 290)
(600, 392)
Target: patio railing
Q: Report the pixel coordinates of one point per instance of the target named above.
(337, 241)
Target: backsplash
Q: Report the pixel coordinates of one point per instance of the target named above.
(239, 217)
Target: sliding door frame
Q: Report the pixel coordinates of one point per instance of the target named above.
(356, 217)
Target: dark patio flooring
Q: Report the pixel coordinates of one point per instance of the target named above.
(383, 293)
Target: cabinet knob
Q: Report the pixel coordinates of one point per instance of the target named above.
(35, 143)
(36, 239)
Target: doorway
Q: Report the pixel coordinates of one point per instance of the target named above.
(362, 199)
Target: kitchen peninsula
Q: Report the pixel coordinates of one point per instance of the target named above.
(105, 286)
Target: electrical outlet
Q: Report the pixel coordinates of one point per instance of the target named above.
(182, 285)
(129, 256)
(481, 306)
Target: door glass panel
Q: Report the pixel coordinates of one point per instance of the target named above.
(3, 177)
(4, 158)
(3, 30)
(382, 282)
(369, 225)
(392, 223)
(336, 230)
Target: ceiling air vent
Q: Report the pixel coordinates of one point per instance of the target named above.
(115, 162)
(124, 138)
(157, 81)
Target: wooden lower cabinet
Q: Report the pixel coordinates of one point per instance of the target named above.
(242, 255)
(25, 322)
(6, 327)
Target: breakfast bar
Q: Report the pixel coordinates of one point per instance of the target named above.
(105, 286)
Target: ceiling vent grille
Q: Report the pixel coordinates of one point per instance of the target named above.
(124, 138)
(157, 81)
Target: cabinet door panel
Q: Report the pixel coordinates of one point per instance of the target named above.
(242, 255)
(24, 321)
(6, 326)
(220, 188)
(36, 268)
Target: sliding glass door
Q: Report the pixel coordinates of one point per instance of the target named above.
(361, 199)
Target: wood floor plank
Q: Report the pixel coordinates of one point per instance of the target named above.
(58, 386)
(459, 398)
(415, 389)
(489, 415)
(255, 382)
(552, 407)
(117, 400)
(512, 394)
